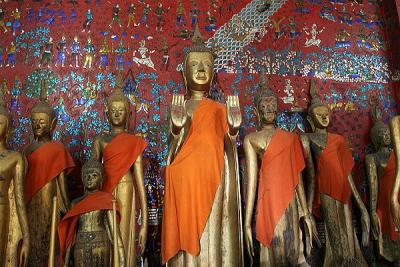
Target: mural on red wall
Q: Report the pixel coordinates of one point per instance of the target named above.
(81, 48)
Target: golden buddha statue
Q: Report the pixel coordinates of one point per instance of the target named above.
(281, 195)
(12, 204)
(381, 174)
(334, 162)
(85, 232)
(121, 154)
(49, 162)
(202, 219)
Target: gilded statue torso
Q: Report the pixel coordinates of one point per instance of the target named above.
(341, 242)
(93, 244)
(39, 216)
(125, 193)
(220, 240)
(285, 245)
(92, 221)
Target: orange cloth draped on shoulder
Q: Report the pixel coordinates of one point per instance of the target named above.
(280, 171)
(44, 165)
(67, 226)
(386, 184)
(119, 156)
(192, 179)
(334, 166)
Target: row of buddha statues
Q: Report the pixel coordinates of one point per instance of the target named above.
(202, 216)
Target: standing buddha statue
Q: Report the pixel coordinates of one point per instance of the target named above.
(381, 167)
(334, 162)
(86, 231)
(12, 204)
(49, 163)
(121, 154)
(281, 195)
(201, 220)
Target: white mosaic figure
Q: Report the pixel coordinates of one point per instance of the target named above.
(314, 32)
(289, 91)
(144, 58)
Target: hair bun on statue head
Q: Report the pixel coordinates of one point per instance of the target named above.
(43, 106)
(118, 94)
(263, 88)
(198, 43)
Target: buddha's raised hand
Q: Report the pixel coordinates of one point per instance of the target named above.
(178, 113)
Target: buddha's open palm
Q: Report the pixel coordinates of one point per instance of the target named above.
(178, 111)
(233, 110)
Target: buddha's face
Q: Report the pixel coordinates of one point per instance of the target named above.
(117, 113)
(41, 124)
(267, 109)
(199, 68)
(3, 126)
(384, 136)
(92, 178)
(320, 117)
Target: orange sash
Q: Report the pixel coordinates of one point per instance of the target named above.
(386, 184)
(67, 226)
(334, 167)
(281, 166)
(119, 156)
(44, 165)
(192, 180)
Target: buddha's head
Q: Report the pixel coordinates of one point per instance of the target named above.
(380, 132)
(199, 65)
(266, 102)
(43, 117)
(92, 175)
(318, 112)
(118, 109)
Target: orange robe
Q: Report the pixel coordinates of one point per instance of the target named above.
(386, 184)
(119, 156)
(282, 164)
(334, 166)
(45, 164)
(192, 179)
(67, 226)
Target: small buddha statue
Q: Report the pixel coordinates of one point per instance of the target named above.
(201, 220)
(49, 163)
(281, 195)
(122, 155)
(12, 204)
(333, 162)
(86, 231)
(380, 167)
